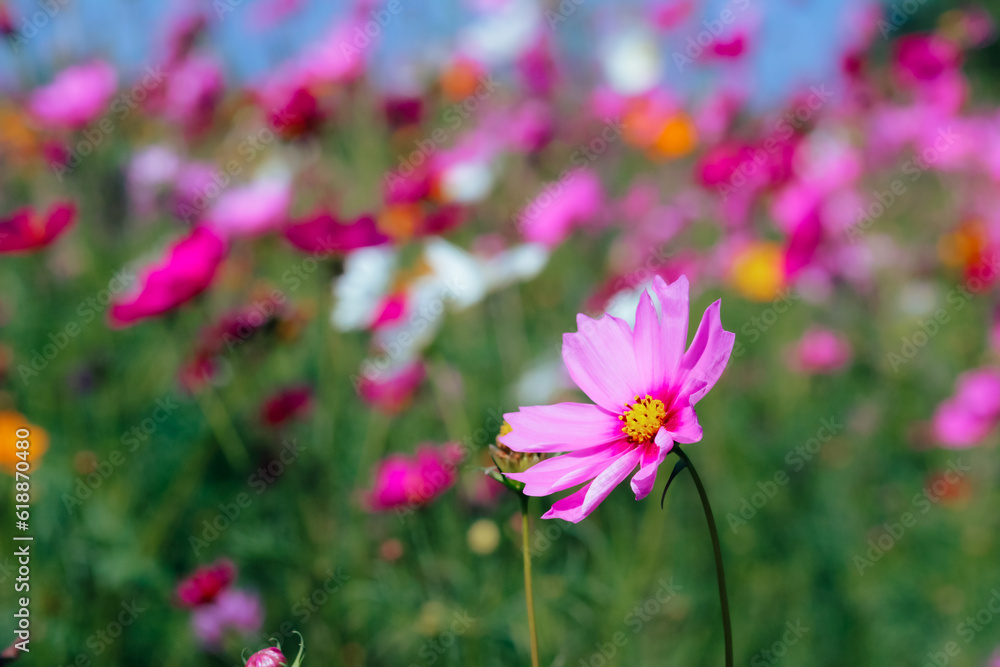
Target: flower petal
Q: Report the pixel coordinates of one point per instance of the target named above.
(600, 360)
(647, 346)
(683, 425)
(562, 472)
(674, 304)
(653, 455)
(563, 427)
(577, 506)
(707, 357)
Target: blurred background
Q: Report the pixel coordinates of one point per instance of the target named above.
(272, 271)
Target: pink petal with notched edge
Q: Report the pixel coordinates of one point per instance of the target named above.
(600, 360)
(576, 507)
(562, 427)
(562, 472)
(708, 355)
(674, 304)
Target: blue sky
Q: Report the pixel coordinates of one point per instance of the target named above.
(798, 38)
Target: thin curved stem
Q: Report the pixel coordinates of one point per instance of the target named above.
(528, 595)
(727, 625)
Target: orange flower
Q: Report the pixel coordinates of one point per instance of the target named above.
(10, 422)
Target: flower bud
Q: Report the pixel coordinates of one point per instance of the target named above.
(269, 657)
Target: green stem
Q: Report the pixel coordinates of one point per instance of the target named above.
(727, 625)
(528, 594)
(222, 427)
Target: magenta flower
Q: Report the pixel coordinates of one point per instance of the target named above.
(402, 480)
(75, 97)
(645, 386)
(323, 233)
(968, 417)
(206, 583)
(25, 229)
(188, 269)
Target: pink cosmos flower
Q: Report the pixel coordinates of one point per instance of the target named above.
(821, 351)
(26, 230)
(323, 233)
(645, 386)
(75, 97)
(186, 271)
(965, 419)
(236, 611)
(402, 480)
(206, 583)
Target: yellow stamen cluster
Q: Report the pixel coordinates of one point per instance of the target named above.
(643, 419)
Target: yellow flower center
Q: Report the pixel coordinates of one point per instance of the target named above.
(643, 419)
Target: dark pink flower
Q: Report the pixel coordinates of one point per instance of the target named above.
(924, 57)
(187, 270)
(645, 386)
(77, 95)
(323, 233)
(417, 480)
(206, 583)
(26, 230)
(287, 404)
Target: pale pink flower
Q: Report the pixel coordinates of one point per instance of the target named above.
(233, 611)
(77, 95)
(645, 386)
(821, 351)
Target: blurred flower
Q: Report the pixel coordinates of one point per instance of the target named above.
(390, 391)
(483, 537)
(924, 57)
(286, 404)
(194, 87)
(648, 372)
(948, 487)
(821, 351)
(206, 583)
(10, 423)
(253, 209)
(187, 270)
(269, 657)
(391, 550)
(77, 95)
(573, 200)
(757, 271)
(323, 233)
(25, 229)
(236, 611)
(402, 480)
(965, 419)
